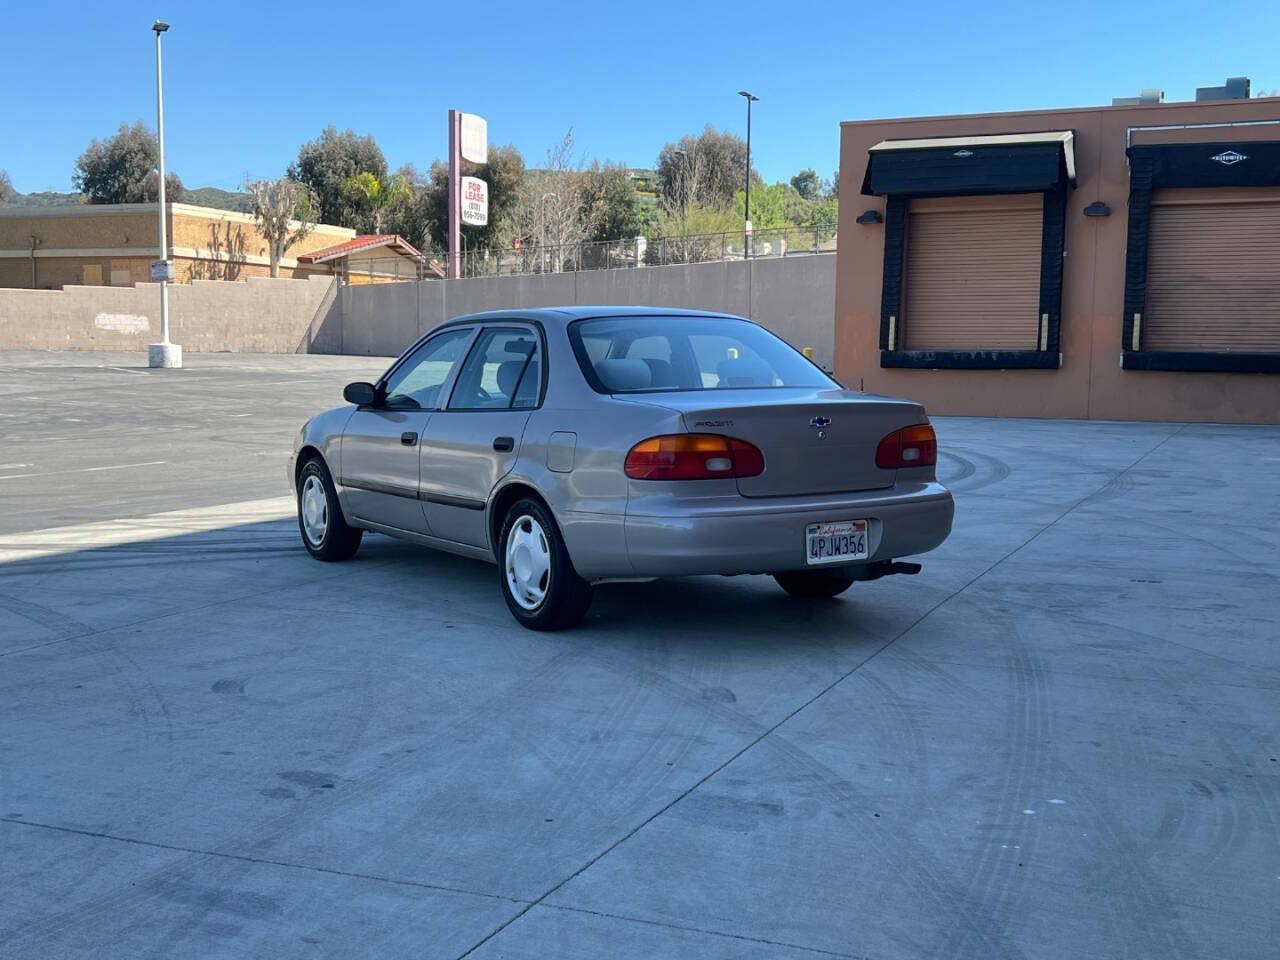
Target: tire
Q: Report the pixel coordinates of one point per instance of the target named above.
(814, 584)
(325, 532)
(535, 574)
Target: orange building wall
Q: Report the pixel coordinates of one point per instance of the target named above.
(1090, 383)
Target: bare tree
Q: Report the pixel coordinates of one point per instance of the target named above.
(555, 210)
(284, 211)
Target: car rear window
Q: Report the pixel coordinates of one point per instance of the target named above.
(676, 353)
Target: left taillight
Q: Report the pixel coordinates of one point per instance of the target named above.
(693, 456)
(915, 446)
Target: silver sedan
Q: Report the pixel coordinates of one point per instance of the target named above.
(576, 445)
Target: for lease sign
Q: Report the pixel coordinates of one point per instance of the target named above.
(475, 201)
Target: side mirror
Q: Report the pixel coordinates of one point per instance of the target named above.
(360, 393)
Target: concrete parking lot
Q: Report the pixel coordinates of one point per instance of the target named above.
(1060, 740)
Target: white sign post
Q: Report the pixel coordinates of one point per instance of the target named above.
(475, 138)
(475, 201)
(469, 141)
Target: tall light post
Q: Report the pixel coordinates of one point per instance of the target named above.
(746, 244)
(164, 353)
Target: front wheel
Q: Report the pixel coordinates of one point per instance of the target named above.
(325, 532)
(814, 584)
(542, 590)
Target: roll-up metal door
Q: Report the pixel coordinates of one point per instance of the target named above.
(1213, 271)
(973, 273)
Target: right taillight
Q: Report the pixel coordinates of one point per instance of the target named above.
(909, 447)
(693, 456)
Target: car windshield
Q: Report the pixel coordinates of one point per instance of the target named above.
(646, 354)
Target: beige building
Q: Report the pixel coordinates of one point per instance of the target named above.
(45, 248)
(370, 258)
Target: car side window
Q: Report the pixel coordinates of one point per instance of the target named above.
(502, 371)
(416, 383)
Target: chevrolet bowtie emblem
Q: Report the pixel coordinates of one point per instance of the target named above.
(820, 422)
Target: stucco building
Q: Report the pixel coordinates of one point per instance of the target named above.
(45, 248)
(1116, 262)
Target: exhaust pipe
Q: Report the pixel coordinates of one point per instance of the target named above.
(886, 568)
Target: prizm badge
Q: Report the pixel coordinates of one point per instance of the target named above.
(1228, 157)
(713, 423)
(963, 153)
(819, 421)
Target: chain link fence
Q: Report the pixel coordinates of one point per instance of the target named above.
(647, 252)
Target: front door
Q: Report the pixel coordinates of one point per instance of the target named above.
(474, 442)
(380, 443)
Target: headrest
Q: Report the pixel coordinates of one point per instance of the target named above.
(744, 373)
(624, 374)
(508, 375)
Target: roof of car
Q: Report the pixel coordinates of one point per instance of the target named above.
(568, 314)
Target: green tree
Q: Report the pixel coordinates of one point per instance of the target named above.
(825, 214)
(6, 187)
(807, 184)
(412, 215)
(614, 208)
(835, 185)
(769, 205)
(122, 169)
(719, 158)
(327, 163)
(373, 198)
(505, 174)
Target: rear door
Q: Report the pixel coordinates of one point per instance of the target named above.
(380, 443)
(474, 441)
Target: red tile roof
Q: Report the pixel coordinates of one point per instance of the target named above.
(365, 242)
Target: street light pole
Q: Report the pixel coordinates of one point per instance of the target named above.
(164, 353)
(746, 244)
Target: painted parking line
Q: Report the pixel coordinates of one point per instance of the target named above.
(113, 533)
(58, 473)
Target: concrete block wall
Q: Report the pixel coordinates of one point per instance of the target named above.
(257, 316)
(794, 297)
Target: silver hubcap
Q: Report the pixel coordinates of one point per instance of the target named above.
(528, 563)
(315, 510)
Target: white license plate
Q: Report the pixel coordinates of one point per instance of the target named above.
(838, 542)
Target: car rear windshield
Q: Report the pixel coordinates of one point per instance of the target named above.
(650, 354)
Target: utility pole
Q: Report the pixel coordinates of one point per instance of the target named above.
(746, 244)
(164, 353)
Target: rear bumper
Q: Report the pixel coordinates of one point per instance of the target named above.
(767, 536)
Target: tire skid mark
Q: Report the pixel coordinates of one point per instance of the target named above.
(965, 467)
(994, 470)
(987, 889)
(921, 871)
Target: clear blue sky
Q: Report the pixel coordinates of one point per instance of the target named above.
(245, 84)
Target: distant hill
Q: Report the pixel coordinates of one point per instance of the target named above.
(218, 199)
(46, 199)
(200, 197)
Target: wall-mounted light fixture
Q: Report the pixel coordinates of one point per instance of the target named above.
(1097, 209)
(871, 216)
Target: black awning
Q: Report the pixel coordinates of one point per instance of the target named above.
(1219, 164)
(1009, 163)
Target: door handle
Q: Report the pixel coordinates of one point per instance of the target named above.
(504, 444)
(409, 438)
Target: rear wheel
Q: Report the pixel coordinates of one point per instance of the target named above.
(814, 584)
(538, 581)
(325, 532)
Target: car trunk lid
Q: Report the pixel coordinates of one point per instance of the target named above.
(813, 441)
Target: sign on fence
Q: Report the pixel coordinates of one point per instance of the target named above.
(475, 201)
